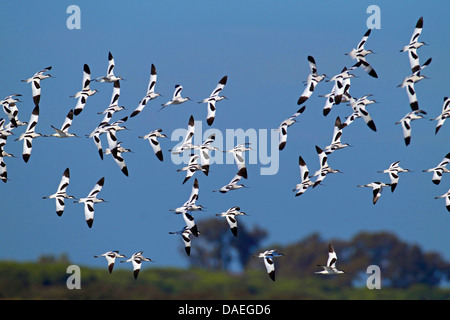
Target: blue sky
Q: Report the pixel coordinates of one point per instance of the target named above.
(262, 46)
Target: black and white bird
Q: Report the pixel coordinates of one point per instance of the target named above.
(282, 129)
(447, 199)
(336, 143)
(110, 77)
(413, 45)
(119, 147)
(330, 268)
(64, 131)
(324, 167)
(443, 116)
(177, 98)
(341, 83)
(190, 204)
(152, 138)
(136, 260)
(204, 152)
(306, 182)
(360, 111)
(10, 108)
(439, 170)
(187, 141)
(104, 127)
(114, 103)
(213, 98)
(61, 193)
(90, 200)
(115, 151)
(111, 258)
(185, 234)
(359, 53)
(150, 95)
(230, 215)
(35, 81)
(238, 155)
(30, 134)
(192, 167)
(377, 188)
(393, 171)
(415, 76)
(233, 184)
(268, 257)
(311, 82)
(406, 123)
(85, 92)
(3, 170)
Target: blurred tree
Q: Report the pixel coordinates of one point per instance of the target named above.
(217, 249)
(402, 265)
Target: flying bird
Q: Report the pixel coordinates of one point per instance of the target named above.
(341, 83)
(177, 98)
(312, 81)
(136, 260)
(111, 258)
(324, 167)
(230, 215)
(150, 95)
(406, 123)
(85, 92)
(64, 131)
(330, 268)
(268, 256)
(213, 98)
(30, 134)
(439, 170)
(447, 199)
(116, 151)
(192, 167)
(336, 143)
(187, 141)
(377, 188)
(152, 138)
(35, 81)
(233, 184)
(359, 53)
(190, 204)
(114, 104)
(238, 155)
(110, 77)
(61, 193)
(90, 200)
(282, 129)
(304, 175)
(185, 234)
(444, 114)
(393, 171)
(413, 45)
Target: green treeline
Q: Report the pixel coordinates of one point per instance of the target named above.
(407, 272)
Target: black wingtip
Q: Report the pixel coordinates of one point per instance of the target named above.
(26, 157)
(301, 100)
(134, 113)
(223, 81)
(373, 74)
(419, 23)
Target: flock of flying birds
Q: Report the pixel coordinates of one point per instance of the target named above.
(200, 154)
